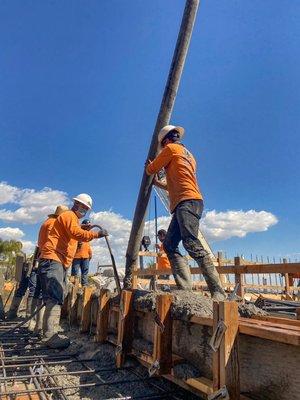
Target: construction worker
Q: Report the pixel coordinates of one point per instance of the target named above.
(186, 206)
(37, 296)
(162, 258)
(56, 257)
(29, 278)
(82, 256)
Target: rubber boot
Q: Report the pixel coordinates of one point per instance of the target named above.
(31, 323)
(13, 310)
(50, 327)
(39, 318)
(212, 278)
(181, 271)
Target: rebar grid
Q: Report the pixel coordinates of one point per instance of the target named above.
(29, 375)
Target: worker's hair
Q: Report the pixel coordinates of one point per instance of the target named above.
(162, 232)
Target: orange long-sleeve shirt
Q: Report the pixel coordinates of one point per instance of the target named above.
(44, 231)
(162, 259)
(62, 240)
(180, 167)
(83, 250)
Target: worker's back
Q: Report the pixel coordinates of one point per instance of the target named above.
(181, 175)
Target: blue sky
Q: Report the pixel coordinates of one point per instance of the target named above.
(81, 84)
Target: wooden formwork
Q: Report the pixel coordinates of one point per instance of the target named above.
(241, 345)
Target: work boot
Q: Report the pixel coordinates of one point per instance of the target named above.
(31, 323)
(39, 318)
(181, 271)
(29, 306)
(212, 278)
(50, 327)
(13, 310)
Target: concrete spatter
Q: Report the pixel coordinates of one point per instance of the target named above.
(187, 304)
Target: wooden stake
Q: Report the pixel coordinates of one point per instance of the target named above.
(239, 278)
(102, 316)
(229, 361)
(125, 327)
(162, 351)
(86, 309)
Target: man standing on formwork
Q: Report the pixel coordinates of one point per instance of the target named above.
(56, 257)
(37, 290)
(186, 206)
(29, 277)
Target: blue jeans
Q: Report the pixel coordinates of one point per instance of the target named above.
(31, 283)
(53, 280)
(83, 264)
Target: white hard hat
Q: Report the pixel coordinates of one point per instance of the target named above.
(85, 199)
(166, 129)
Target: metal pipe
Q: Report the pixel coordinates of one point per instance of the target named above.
(163, 119)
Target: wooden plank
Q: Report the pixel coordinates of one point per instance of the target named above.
(86, 309)
(72, 306)
(261, 268)
(271, 324)
(271, 333)
(229, 359)
(279, 320)
(202, 384)
(102, 316)
(125, 327)
(202, 320)
(162, 350)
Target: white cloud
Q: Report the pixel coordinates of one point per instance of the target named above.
(224, 225)
(11, 233)
(8, 193)
(28, 247)
(34, 205)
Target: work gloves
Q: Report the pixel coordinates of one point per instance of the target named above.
(102, 233)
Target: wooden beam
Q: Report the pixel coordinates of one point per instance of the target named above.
(86, 309)
(102, 316)
(72, 306)
(162, 351)
(239, 278)
(125, 327)
(229, 357)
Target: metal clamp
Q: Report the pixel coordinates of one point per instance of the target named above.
(217, 335)
(159, 322)
(119, 349)
(154, 367)
(221, 394)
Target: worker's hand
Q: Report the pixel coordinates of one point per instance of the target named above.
(102, 233)
(155, 181)
(157, 246)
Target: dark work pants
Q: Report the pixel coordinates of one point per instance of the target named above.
(185, 226)
(31, 283)
(53, 280)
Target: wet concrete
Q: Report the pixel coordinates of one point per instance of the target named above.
(187, 304)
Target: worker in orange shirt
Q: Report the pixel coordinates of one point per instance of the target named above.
(82, 256)
(162, 258)
(56, 257)
(186, 206)
(30, 278)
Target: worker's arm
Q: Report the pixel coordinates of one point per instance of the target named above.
(161, 161)
(71, 224)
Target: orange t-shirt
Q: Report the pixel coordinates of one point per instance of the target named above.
(62, 241)
(83, 250)
(180, 167)
(162, 259)
(44, 231)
